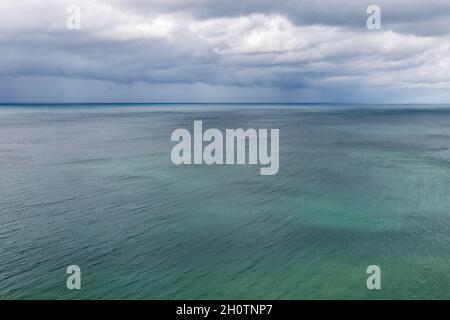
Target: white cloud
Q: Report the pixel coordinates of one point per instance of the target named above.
(253, 45)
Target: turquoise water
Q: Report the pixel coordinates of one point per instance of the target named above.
(94, 186)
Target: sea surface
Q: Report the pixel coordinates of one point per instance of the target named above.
(94, 186)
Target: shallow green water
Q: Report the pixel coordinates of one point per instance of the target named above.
(95, 187)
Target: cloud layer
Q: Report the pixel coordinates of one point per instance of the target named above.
(193, 50)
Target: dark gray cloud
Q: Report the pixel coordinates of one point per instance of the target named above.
(407, 13)
(196, 50)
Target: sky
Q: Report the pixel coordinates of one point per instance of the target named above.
(224, 51)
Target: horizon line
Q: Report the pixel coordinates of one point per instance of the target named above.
(223, 103)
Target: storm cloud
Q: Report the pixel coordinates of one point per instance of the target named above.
(224, 51)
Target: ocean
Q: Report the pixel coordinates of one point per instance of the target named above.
(94, 186)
